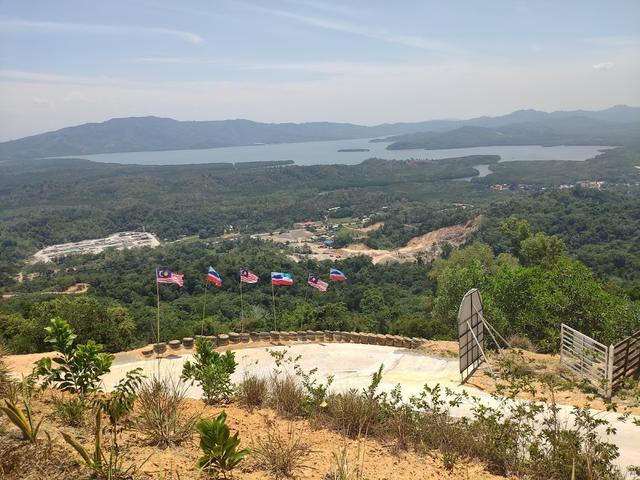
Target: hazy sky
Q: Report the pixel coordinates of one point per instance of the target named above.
(66, 62)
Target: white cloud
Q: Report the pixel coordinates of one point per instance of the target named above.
(39, 77)
(92, 28)
(603, 66)
(382, 34)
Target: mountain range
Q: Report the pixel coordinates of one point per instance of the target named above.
(135, 134)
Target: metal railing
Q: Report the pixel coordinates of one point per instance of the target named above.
(587, 358)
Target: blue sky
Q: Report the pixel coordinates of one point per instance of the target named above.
(67, 62)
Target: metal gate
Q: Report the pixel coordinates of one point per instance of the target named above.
(470, 333)
(587, 358)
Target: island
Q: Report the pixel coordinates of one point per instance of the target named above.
(343, 150)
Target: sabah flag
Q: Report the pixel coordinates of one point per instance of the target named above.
(337, 275)
(213, 276)
(315, 282)
(164, 275)
(278, 278)
(247, 277)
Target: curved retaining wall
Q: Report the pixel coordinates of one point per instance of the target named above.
(303, 336)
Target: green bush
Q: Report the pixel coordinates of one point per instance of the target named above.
(212, 371)
(220, 448)
(79, 367)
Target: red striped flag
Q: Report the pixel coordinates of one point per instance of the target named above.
(315, 282)
(247, 277)
(164, 275)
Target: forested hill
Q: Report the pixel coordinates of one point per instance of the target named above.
(155, 134)
(548, 132)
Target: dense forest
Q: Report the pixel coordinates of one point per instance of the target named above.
(543, 255)
(528, 290)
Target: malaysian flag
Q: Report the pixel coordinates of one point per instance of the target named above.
(315, 282)
(247, 277)
(164, 275)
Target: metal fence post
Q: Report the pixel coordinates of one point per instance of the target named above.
(610, 356)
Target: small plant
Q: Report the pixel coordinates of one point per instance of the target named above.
(314, 391)
(343, 468)
(281, 454)
(252, 391)
(23, 419)
(79, 367)
(70, 411)
(220, 448)
(117, 405)
(161, 402)
(212, 371)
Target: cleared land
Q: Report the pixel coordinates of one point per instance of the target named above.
(427, 246)
(118, 240)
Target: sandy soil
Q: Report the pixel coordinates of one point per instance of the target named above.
(426, 245)
(382, 461)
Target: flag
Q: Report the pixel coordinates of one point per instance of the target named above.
(247, 277)
(164, 275)
(213, 276)
(336, 275)
(315, 282)
(278, 278)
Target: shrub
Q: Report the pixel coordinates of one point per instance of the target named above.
(354, 411)
(79, 367)
(523, 343)
(220, 448)
(286, 395)
(70, 411)
(212, 371)
(281, 454)
(252, 391)
(161, 402)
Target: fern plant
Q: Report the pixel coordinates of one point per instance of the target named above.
(220, 448)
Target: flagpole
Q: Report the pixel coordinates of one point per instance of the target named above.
(241, 309)
(273, 297)
(158, 313)
(204, 305)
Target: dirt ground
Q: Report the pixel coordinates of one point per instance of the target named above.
(481, 379)
(381, 461)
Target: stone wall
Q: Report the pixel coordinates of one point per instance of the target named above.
(283, 338)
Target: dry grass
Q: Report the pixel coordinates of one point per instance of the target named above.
(523, 343)
(161, 418)
(352, 412)
(36, 461)
(286, 395)
(252, 391)
(281, 453)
